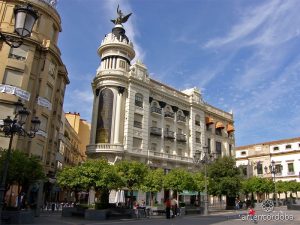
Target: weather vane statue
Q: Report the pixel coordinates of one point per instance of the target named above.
(121, 19)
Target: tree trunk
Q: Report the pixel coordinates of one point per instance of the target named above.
(131, 199)
(104, 198)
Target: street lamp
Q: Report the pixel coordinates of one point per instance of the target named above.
(204, 160)
(274, 171)
(11, 127)
(25, 17)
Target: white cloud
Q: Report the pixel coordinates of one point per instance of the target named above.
(269, 24)
(249, 23)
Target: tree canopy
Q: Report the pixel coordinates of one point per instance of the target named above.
(179, 180)
(23, 170)
(224, 177)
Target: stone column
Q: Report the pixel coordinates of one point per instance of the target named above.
(118, 115)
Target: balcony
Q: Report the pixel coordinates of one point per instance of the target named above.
(181, 137)
(169, 134)
(137, 124)
(155, 131)
(169, 115)
(181, 118)
(161, 155)
(106, 148)
(155, 110)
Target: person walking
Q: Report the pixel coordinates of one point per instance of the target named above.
(168, 208)
(252, 215)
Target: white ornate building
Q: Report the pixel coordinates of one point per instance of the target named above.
(138, 118)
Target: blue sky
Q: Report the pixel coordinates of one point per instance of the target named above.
(243, 55)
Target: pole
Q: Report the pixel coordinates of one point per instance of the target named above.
(276, 198)
(205, 190)
(4, 176)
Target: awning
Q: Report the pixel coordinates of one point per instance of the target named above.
(220, 125)
(209, 120)
(230, 128)
(188, 193)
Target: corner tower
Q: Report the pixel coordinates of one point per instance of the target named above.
(110, 90)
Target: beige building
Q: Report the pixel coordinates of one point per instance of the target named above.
(256, 159)
(138, 118)
(82, 129)
(73, 138)
(35, 74)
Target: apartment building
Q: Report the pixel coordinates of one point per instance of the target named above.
(34, 73)
(256, 159)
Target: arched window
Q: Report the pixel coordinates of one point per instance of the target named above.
(139, 100)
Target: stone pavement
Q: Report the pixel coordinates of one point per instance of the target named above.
(215, 217)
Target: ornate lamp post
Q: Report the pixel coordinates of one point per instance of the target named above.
(274, 171)
(25, 17)
(10, 128)
(205, 160)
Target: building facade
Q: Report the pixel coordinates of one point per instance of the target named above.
(34, 73)
(138, 118)
(256, 159)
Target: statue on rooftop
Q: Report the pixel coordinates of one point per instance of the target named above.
(121, 19)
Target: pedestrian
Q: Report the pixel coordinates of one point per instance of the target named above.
(168, 208)
(174, 207)
(252, 215)
(237, 204)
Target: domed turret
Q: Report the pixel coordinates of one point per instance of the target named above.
(116, 50)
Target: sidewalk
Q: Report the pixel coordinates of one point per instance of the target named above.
(56, 218)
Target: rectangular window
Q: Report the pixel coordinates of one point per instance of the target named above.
(218, 148)
(208, 146)
(291, 167)
(52, 69)
(38, 151)
(138, 120)
(13, 78)
(259, 168)
(244, 170)
(153, 146)
(167, 150)
(154, 123)
(278, 168)
(48, 92)
(167, 127)
(44, 123)
(122, 64)
(19, 53)
(198, 137)
(137, 143)
(219, 132)
(179, 152)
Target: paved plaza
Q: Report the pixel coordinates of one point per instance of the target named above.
(216, 217)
